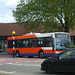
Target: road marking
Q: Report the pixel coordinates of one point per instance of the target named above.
(18, 64)
(5, 72)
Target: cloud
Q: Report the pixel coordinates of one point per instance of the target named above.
(7, 19)
(2, 1)
(5, 13)
(6, 7)
(11, 4)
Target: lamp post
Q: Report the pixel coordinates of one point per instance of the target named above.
(13, 32)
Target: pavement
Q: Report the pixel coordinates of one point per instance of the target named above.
(3, 53)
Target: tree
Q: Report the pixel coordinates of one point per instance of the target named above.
(45, 15)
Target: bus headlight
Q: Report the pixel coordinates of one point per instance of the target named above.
(57, 52)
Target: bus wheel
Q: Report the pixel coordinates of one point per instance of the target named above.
(41, 54)
(17, 54)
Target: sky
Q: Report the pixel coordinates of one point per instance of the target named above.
(6, 7)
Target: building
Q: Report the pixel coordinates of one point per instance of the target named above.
(72, 34)
(6, 31)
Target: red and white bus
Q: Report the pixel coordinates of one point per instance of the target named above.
(39, 44)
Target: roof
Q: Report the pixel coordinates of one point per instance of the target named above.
(7, 28)
(72, 32)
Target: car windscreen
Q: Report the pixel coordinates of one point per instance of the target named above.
(66, 54)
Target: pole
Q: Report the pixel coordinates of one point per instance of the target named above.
(61, 18)
(13, 47)
(13, 44)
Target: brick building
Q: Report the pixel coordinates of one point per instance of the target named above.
(6, 31)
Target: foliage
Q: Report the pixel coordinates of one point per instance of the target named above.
(45, 15)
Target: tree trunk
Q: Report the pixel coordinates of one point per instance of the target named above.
(66, 27)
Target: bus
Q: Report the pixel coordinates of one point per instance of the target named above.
(39, 44)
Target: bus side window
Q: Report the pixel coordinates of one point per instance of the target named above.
(40, 42)
(48, 42)
(10, 44)
(19, 43)
(26, 43)
(33, 42)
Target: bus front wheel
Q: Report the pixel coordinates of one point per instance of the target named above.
(41, 54)
(17, 54)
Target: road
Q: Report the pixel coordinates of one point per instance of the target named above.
(22, 66)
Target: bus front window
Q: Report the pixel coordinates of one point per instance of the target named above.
(62, 41)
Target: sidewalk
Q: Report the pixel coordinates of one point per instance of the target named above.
(3, 53)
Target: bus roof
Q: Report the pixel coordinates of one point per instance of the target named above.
(35, 35)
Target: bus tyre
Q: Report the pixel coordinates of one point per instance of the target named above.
(17, 54)
(48, 69)
(41, 54)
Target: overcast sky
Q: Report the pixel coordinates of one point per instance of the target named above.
(6, 7)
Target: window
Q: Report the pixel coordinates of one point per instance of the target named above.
(72, 40)
(10, 44)
(18, 43)
(33, 42)
(21, 43)
(67, 54)
(48, 42)
(40, 42)
(44, 42)
(25, 43)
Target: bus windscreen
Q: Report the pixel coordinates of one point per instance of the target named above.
(62, 41)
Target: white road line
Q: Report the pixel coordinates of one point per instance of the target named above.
(5, 72)
(17, 64)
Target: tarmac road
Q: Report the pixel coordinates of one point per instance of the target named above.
(22, 66)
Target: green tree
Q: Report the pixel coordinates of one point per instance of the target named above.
(45, 15)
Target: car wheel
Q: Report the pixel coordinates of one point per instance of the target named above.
(41, 54)
(17, 54)
(48, 69)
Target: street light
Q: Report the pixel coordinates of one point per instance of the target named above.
(13, 32)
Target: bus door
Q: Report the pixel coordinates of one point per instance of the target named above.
(49, 44)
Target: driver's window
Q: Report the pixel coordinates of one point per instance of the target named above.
(65, 55)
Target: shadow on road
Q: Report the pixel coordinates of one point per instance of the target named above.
(56, 73)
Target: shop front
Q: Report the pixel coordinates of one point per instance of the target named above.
(3, 44)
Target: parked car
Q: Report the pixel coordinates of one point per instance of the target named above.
(63, 62)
